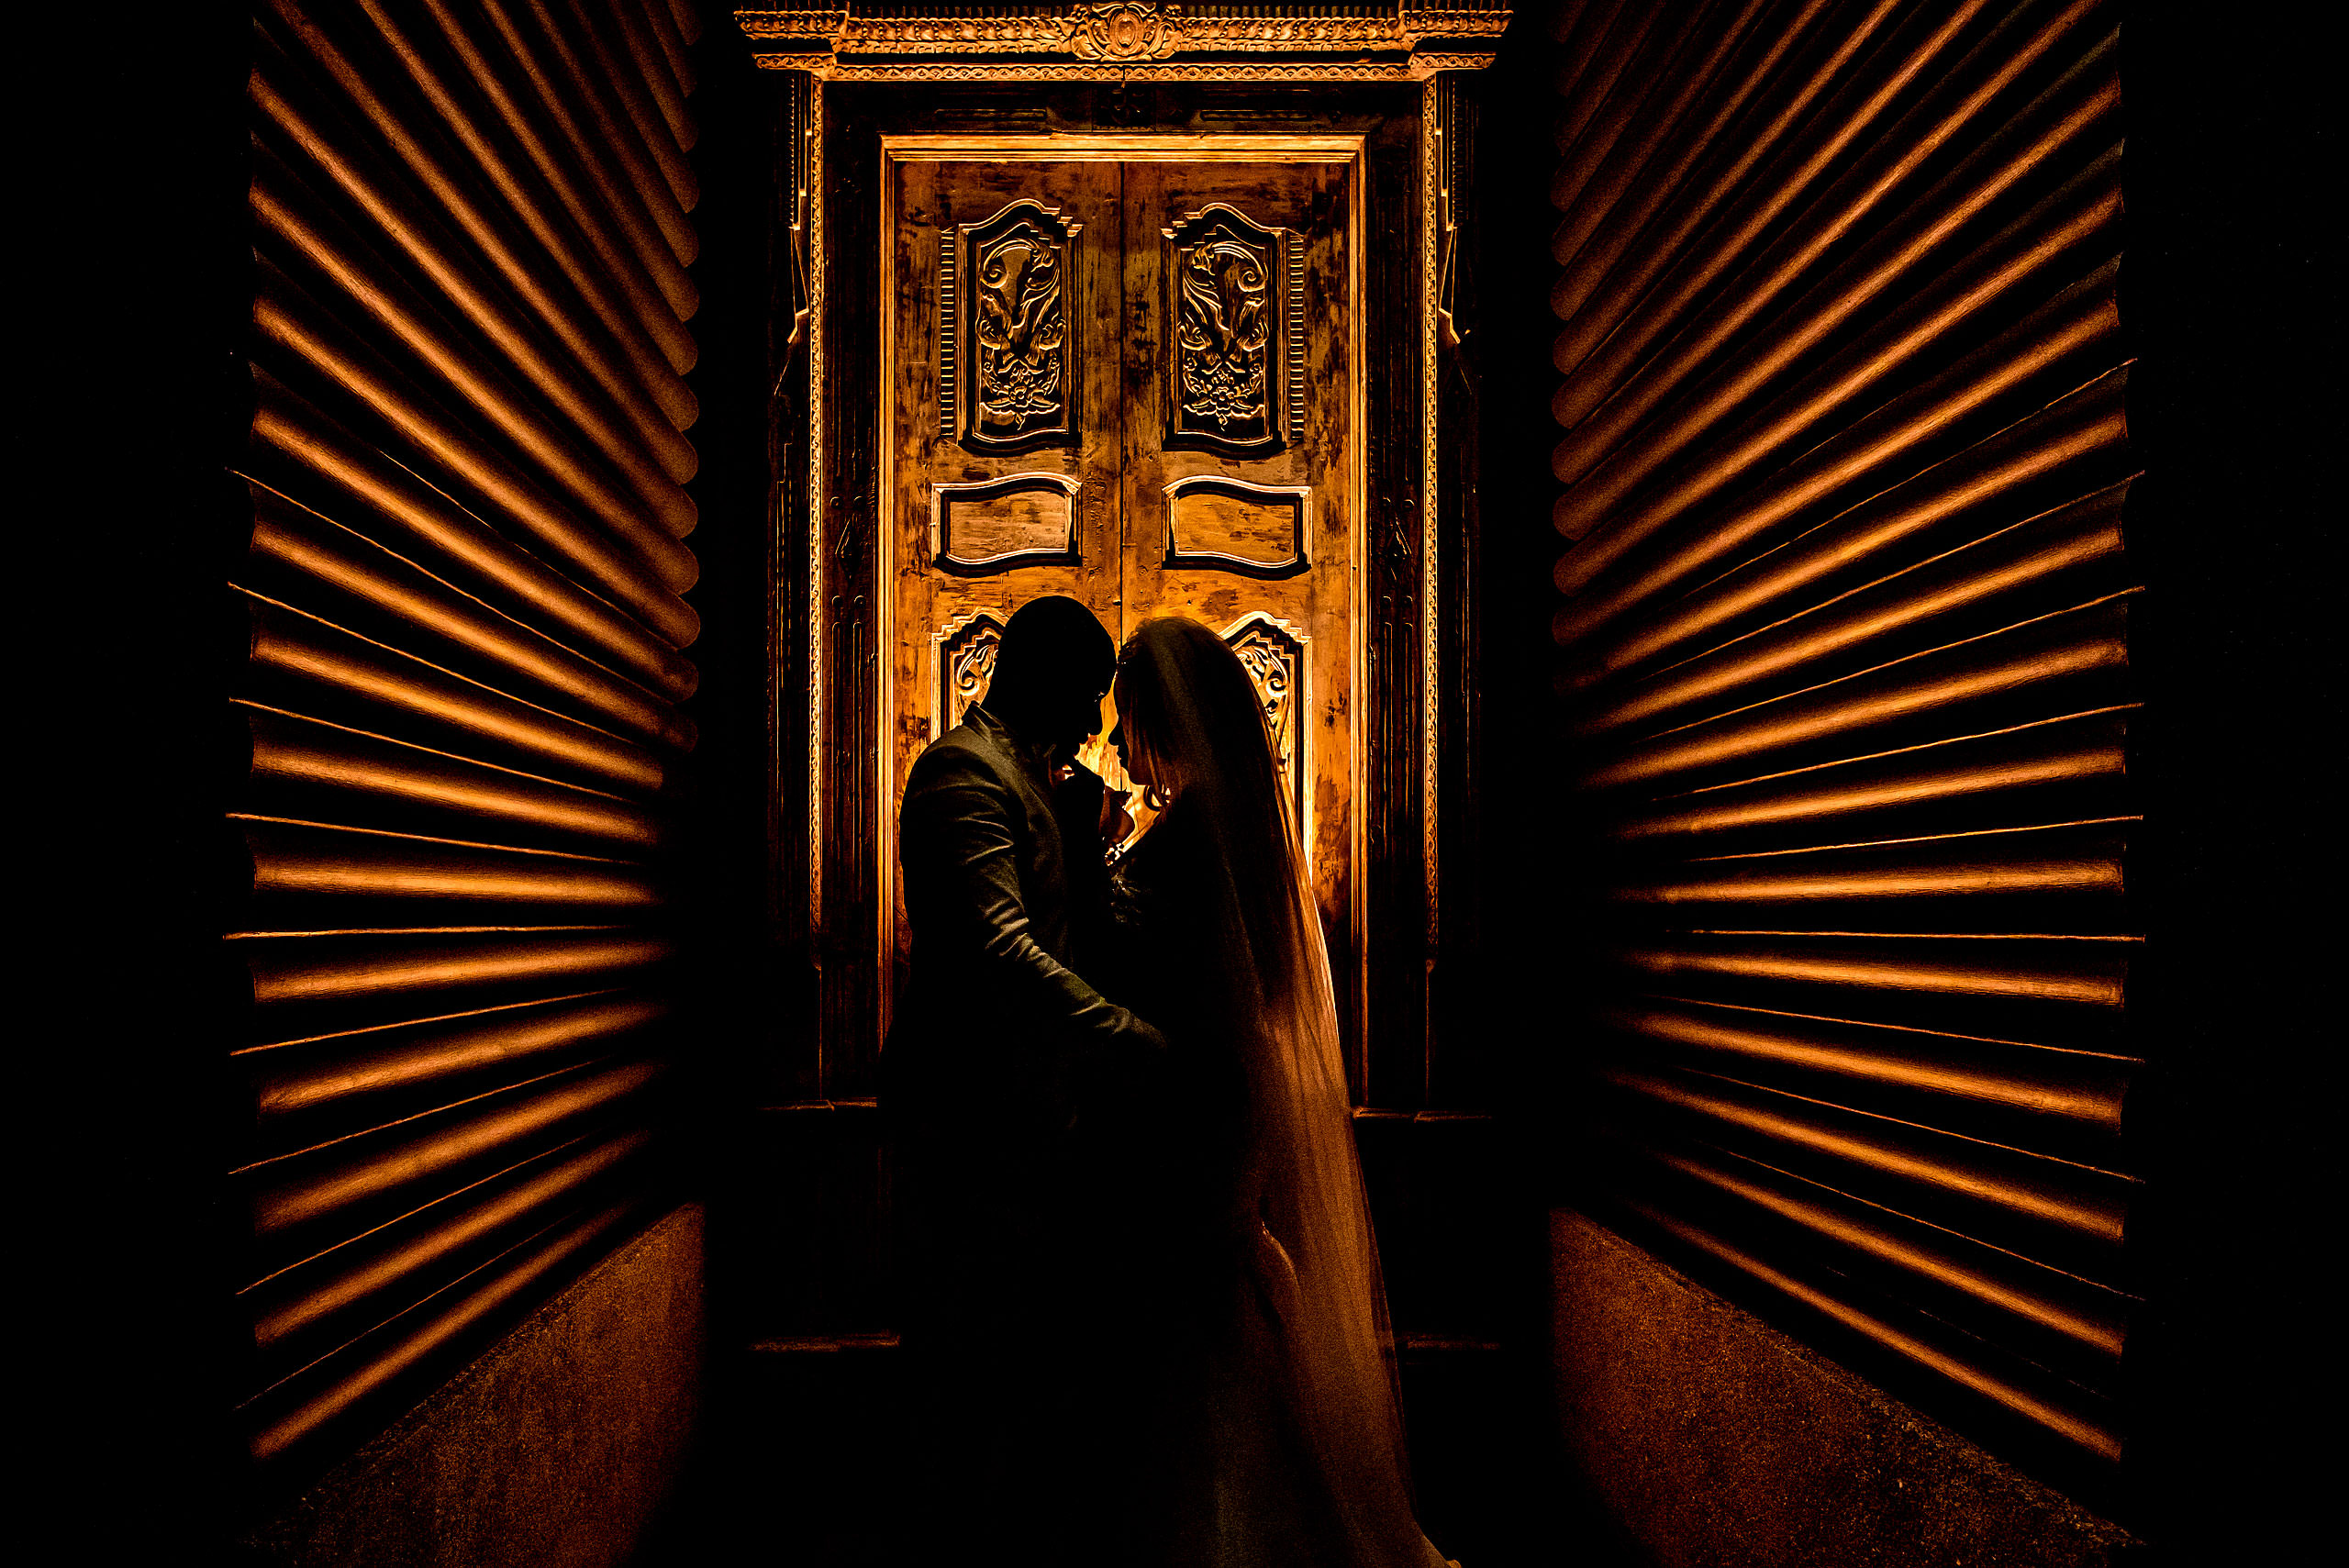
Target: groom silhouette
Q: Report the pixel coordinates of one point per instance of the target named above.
(1005, 1081)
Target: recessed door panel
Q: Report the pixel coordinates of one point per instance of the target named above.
(1233, 358)
(982, 526)
(1015, 282)
(1215, 524)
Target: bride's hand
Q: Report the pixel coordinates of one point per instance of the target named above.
(1115, 821)
(1275, 1274)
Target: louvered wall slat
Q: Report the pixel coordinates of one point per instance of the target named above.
(457, 724)
(1846, 676)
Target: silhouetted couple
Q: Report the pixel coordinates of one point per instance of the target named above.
(1145, 1322)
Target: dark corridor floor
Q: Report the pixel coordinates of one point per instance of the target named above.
(788, 1473)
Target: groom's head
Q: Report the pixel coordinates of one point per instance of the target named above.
(1049, 673)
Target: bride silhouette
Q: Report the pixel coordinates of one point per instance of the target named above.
(1270, 1428)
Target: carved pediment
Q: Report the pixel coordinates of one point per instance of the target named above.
(1142, 40)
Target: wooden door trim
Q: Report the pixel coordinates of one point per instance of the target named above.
(1124, 147)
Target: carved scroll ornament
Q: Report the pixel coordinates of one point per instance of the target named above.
(1231, 343)
(964, 652)
(1223, 330)
(1019, 379)
(1121, 31)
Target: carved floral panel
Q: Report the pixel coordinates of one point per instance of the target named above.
(1232, 351)
(964, 652)
(1274, 655)
(1018, 384)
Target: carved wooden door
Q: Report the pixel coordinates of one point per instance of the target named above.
(1132, 379)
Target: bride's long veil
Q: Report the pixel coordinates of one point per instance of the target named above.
(1316, 1260)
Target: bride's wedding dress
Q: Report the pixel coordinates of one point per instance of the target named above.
(1263, 1418)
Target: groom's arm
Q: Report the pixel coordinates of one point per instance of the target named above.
(963, 888)
(1076, 807)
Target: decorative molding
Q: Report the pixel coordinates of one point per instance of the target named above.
(1417, 68)
(791, 24)
(1141, 39)
(1017, 384)
(1023, 145)
(963, 656)
(1426, 64)
(947, 408)
(1124, 30)
(811, 175)
(1463, 23)
(1439, 109)
(1230, 342)
(1273, 653)
(1295, 328)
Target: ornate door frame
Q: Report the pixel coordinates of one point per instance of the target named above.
(900, 149)
(851, 135)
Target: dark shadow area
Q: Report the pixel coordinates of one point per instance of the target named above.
(797, 1444)
(2231, 295)
(1494, 1491)
(796, 1450)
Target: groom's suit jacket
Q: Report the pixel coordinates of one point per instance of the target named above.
(998, 1048)
(1004, 1078)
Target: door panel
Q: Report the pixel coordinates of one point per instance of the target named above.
(1132, 382)
(1237, 481)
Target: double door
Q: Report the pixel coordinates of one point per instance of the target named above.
(1130, 377)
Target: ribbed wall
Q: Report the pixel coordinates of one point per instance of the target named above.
(1846, 675)
(457, 726)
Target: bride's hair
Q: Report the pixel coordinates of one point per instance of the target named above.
(1189, 706)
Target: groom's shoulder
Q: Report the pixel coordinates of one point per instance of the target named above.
(963, 754)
